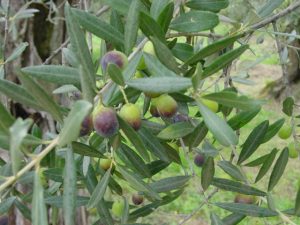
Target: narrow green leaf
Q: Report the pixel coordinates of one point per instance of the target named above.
(297, 203)
(156, 166)
(87, 90)
(6, 119)
(18, 132)
(197, 136)
(70, 188)
(57, 201)
(115, 74)
(137, 183)
(165, 55)
(72, 123)
(99, 27)
(86, 150)
(132, 25)
(18, 94)
(233, 219)
(235, 186)
(288, 106)
(258, 161)
(157, 7)
(176, 130)
(166, 16)
(195, 21)
(160, 84)
(266, 165)
(278, 168)
(208, 5)
(55, 74)
(17, 52)
(170, 183)
(241, 119)
(6, 204)
(156, 68)
(135, 160)
(134, 138)
(231, 170)
(153, 144)
(247, 210)
(269, 7)
(150, 27)
(231, 99)
(80, 47)
(218, 127)
(99, 191)
(211, 49)
(41, 96)
(102, 207)
(273, 130)
(39, 211)
(224, 60)
(215, 220)
(253, 141)
(183, 51)
(207, 173)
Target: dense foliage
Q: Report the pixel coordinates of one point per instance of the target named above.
(153, 98)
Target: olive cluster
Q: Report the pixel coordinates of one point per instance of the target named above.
(104, 119)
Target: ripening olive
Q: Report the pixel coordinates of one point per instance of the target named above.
(114, 57)
(199, 160)
(131, 113)
(105, 121)
(86, 126)
(166, 106)
(137, 199)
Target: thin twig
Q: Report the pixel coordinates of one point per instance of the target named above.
(5, 41)
(275, 17)
(25, 169)
(199, 207)
(193, 34)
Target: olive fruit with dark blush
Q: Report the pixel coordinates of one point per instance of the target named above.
(166, 106)
(86, 126)
(154, 111)
(199, 160)
(105, 121)
(137, 199)
(180, 118)
(114, 57)
(245, 199)
(105, 163)
(131, 113)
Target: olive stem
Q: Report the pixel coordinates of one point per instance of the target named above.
(124, 94)
(33, 163)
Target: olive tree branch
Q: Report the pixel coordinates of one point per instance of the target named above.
(204, 202)
(34, 162)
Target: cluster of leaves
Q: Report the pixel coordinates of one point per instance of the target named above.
(175, 69)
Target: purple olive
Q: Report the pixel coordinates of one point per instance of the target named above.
(114, 57)
(105, 121)
(199, 160)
